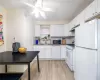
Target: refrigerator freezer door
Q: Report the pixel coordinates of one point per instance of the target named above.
(86, 64)
(86, 36)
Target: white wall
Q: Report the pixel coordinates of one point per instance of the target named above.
(20, 27)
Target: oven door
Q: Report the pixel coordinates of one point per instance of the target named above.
(69, 58)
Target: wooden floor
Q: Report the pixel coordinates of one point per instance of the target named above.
(50, 70)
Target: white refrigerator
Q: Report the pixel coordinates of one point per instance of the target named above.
(87, 51)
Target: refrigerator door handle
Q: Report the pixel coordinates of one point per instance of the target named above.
(86, 48)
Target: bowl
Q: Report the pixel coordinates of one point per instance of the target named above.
(22, 50)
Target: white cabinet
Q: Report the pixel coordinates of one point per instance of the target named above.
(86, 64)
(56, 52)
(74, 22)
(42, 52)
(57, 30)
(97, 6)
(90, 10)
(71, 25)
(41, 49)
(66, 29)
(82, 18)
(51, 52)
(45, 51)
(63, 52)
(37, 30)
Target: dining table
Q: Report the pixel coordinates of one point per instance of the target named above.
(17, 58)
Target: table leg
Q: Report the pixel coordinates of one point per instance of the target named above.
(38, 63)
(5, 68)
(29, 71)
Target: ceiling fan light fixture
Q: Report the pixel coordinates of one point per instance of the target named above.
(36, 12)
(37, 15)
(43, 14)
(39, 10)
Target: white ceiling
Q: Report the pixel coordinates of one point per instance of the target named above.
(62, 9)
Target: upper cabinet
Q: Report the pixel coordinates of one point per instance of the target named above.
(90, 11)
(37, 30)
(57, 30)
(71, 25)
(66, 29)
(77, 20)
(98, 6)
(63, 52)
(82, 17)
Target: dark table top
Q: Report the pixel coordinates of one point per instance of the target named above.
(9, 57)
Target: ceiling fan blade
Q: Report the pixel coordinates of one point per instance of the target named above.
(30, 5)
(43, 14)
(47, 9)
(39, 3)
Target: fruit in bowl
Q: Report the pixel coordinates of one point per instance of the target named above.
(22, 50)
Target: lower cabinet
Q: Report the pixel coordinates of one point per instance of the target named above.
(56, 52)
(63, 52)
(52, 52)
(48, 52)
(45, 51)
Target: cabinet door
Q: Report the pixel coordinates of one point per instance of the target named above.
(90, 10)
(37, 30)
(66, 30)
(47, 50)
(42, 51)
(86, 64)
(56, 52)
(63, 52)
(98, 6)
(57, 30)
(71, 24)
(82, 18)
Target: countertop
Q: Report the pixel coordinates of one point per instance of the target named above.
(50, 45)
(72, 45)
(55, 45)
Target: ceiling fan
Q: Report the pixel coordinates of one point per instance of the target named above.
(38, 8)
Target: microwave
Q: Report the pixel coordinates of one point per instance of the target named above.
(56, 41)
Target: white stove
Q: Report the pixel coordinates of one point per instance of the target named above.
(70, 57)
